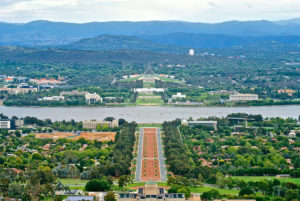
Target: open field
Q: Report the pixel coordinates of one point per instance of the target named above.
(130, 79)
(165, 79)
(251, 178)
(80, 184)
(205, 189)
(148, 84)
(149, 100)
(77, 182)
(99, 136)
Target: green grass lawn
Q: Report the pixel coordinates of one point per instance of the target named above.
(251, 178)
(149, 125)
(67, 182)
(165, 79)
(148, 84)
(149, 100)
(205, 189)
(77, 187)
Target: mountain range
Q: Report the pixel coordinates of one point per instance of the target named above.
(156, 35)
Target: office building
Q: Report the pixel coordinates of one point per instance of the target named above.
(93, 124)
(5, 124)
(243, 97)
(92, 98)
(213, 124)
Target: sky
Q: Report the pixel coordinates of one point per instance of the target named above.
(81, 11)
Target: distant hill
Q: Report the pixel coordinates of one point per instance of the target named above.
(174, 42)
(216, 41)
(116, 42)
(290, 21)
(39, 33)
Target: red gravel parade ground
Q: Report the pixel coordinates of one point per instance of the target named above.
(150, 162)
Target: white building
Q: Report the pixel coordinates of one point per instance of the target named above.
(52, 98)
(93, 124)
(178, 95)
(243, 97)
(191, 52)
(92, 98)
(222, 92)
(148, 90)
(73, 93)
(18, 90)
(213, 124)
(5, 124)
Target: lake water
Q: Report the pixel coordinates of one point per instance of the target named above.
(145, 114)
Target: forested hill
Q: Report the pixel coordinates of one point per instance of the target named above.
(54, 56)
(174, 42)
(116, 42)
(216, 40)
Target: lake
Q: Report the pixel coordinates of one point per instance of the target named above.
(145, 114)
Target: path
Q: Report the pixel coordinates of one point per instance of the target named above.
(150, 160)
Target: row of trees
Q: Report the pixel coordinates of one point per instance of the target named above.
(175, 150)
(119, 161)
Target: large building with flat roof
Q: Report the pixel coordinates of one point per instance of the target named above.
(93, 124)
(5, 124)
(213, 124)
(243, 97)
(148, 90)
(151, 192)
(92, 98)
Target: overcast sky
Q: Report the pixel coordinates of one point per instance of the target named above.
(141, 10)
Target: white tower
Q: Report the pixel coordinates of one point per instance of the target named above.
(191, 52)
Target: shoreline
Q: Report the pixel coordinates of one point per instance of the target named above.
(132, 105)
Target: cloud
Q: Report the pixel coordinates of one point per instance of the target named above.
(138, 10)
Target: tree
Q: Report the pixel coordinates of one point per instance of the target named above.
(292, 194)
(186, 191)
(16, 191)
(110, 196)
(97, 185)
(4, 185)
(247, 190)
(40, 183)
(279, 199)
(58, 198)
(124, 180)
(109, 119)
(210, 195)
(220, 180)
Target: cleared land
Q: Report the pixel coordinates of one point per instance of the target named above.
(99, 136)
